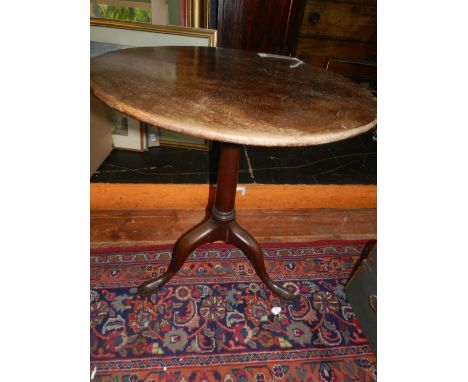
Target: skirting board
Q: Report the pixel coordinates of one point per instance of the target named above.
(116, 196)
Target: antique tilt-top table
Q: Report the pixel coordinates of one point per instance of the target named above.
(237, 98)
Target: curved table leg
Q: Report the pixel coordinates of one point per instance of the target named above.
(186, 244)
(239, 237)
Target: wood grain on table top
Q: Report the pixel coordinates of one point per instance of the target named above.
(232, 96)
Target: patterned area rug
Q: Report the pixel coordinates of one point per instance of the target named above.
(214, 320)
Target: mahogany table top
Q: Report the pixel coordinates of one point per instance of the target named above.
(232, 96)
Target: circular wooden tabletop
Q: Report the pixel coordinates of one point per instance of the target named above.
(232, 96)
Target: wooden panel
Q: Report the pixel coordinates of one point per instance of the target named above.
(198, 196)
(340, 20)
(317, 51)
(293, 28)
(165, 226)
(356, 2)
(259, 25)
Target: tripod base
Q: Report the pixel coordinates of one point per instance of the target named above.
(209, 231)
(220, 226)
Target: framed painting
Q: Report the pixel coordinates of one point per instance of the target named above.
(185, 13)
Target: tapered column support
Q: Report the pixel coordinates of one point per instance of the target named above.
(221, 225)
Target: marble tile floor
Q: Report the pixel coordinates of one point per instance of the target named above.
(353, 161)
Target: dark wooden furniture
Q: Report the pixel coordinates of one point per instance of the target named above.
(344, 30)
(361, 290)
(237, 98)
(363, 72)
(313, 30)
(259, 25)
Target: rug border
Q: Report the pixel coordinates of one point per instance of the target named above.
(156, 247)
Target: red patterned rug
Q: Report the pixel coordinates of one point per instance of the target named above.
(214, 320)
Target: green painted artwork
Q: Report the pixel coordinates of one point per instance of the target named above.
(141, 15)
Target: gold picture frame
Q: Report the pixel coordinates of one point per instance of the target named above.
(171, 138)
(205, 145)
(209, 34)
(199, 13)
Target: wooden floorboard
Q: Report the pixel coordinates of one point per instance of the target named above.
(144, 227)
(112, 196)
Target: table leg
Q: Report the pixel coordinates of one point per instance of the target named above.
(184, 246)
(245, 242)
(221, 225)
